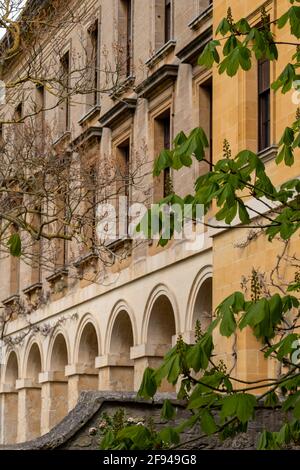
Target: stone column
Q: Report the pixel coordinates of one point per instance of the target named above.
(148, 355)
(54, 405)
(115, 373)
(29, 409)
(9, 421)
(81, 378)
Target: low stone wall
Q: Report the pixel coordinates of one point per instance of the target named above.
(76, 431)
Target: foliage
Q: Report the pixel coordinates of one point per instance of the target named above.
(119, 432)
(220, 402)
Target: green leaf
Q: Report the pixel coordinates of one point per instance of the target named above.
(285, 79)
(296, 411)
(139, 435)
(107, 441)
(174, 370)
(210, 54)
(288, 136)
(291, 401)
(168, 411)
(275, 304)
(169, 435)
(243, 213)
(148, 386)
(207, 422)
(199, 354)
(240, 405)
(267, 441)
(245, 58)
(255, 313)
(224, 27)
(15, 245)
(284, 435)
(281, 22)
(271, 400)
(228, 324)
(233, 304)
(199, 400)
(163, 161)
(243, 26)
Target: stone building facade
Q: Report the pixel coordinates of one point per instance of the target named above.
(104, 334)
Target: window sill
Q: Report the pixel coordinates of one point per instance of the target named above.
(161, 53)
(91, 114)
(202, 17)
(12, 306)
(268, 153)
(61, 140)
(90, 259)
(32, 289)
(58, 275)
(11, 300)
(58, 282)
(122, 87)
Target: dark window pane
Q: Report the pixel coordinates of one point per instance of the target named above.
(167, 145)
(263, 104)
(129, 37)
(168, 20)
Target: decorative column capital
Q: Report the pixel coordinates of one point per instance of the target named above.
(26, 383)
(112, 360)
(58, 376)
(79, 369)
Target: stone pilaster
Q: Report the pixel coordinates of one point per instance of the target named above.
(148, 355)
(29, 409)
(81, 378)
(116, 373)
(9, 415)
(54, 406)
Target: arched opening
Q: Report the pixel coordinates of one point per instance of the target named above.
(161, 329)
(121, 374)
(31, 396)
(203, 305)
(59, 357)
(161, 326)
(85, 376)
(34, 363)
(12, 370)
(88, 347)
(56, 391)
(122, 336)
(10, 400)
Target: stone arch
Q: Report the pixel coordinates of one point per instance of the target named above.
(58, 357)
(34, 362)
(55, 392)
(10, 399)
(161, 319)
(127, 317)
(160, 326)
(32, 341)
(88, 344)
(200, 300)
(30, 395)
(83, 375)
(12, 369)
(121, 338)
(118, 370)
(203, 305)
